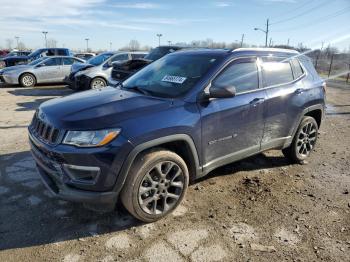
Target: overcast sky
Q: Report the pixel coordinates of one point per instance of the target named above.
(104, 21)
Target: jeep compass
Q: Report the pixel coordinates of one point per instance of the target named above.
(174, 121)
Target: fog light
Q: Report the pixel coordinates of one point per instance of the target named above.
(82, 174)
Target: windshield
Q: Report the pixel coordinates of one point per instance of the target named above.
(97, 60)
(37, 61)
(171, 76)
(158, 52)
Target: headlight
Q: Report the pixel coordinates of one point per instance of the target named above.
(91, 138)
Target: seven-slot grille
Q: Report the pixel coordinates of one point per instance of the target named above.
(44, 131)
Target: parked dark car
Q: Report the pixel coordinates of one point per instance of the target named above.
(124, 69)
(85, 56)
(174, 121)
(18, 53)
(94, 73)
(23, 59)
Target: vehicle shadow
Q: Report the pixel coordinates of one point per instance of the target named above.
(257, 162)
(32, 105)
(44, 91)
(30, 216)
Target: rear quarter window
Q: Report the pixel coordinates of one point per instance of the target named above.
(276, 71)
(297, 69)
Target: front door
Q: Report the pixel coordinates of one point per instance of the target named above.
(49, 71)
(232, 128)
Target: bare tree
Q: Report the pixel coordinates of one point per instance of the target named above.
(51, 43)
(9, 43)
(21, 46)
(134, 45)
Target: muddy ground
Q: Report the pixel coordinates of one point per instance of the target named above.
(259, 209)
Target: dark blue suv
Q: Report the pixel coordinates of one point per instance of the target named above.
(174, 121)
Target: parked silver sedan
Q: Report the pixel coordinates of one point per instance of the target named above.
(54, 69)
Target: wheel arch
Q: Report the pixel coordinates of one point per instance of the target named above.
(181, 144)
(26, 73)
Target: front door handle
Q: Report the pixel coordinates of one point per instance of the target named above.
(257, 101)
(299, 91)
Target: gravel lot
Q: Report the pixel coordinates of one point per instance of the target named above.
(259, 209)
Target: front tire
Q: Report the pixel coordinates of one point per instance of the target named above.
(98, 83)
(155, 186)
(27, 80)
(304, 140)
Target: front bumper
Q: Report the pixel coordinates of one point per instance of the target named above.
(79, 82)
(52, 162)
(9, 79)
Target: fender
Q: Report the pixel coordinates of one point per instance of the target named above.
(303, 113)
(152, 143)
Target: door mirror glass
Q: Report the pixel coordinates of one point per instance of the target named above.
(222, 91)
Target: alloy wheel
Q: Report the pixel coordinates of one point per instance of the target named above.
(28, 80)
(306, 139)
(97, 84)
(161, 188)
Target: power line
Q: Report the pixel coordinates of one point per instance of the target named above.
(302, 13)
(319, 20)
(295, 9)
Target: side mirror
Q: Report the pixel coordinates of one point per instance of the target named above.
(40, 65)
(222, 91)
(108, 64)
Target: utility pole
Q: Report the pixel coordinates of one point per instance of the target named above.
(45, 33)
(159, 36)
(270, 42)
(330, 66)
(110, 46)
(265, 31)
(169, 43)
(87, 44)
(17, 38)
(242, 41)
(288, 42)
(318, 56)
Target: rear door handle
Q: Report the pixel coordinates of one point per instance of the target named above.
(299, 91)
(257, 101)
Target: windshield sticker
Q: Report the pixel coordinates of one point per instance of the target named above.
(174, 79)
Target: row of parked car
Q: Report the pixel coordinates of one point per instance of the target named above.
(81, 71)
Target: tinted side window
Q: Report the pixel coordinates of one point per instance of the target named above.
(276, 72)
(61, 52)
(53, 62)
(120, 57)
(297, 69)
(68, 61)
(242, 74)
(135, 56)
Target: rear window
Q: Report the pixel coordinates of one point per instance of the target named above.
(276, 71)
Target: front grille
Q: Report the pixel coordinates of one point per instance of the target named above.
(44, 131)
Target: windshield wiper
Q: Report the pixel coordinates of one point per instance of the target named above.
(137, 89)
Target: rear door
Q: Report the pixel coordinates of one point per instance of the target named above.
(233, 128)
(50, 70)
(284, 98)
(66, 66)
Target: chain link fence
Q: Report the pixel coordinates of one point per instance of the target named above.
(332, 65)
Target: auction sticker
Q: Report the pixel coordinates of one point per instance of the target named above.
(174, 79)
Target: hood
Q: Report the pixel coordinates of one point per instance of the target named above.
(80, 67)
(14, 68)
(98, 109)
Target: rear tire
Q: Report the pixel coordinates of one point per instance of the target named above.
(97, 83)
(304, 140)
(155, 186)
(27, 80)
